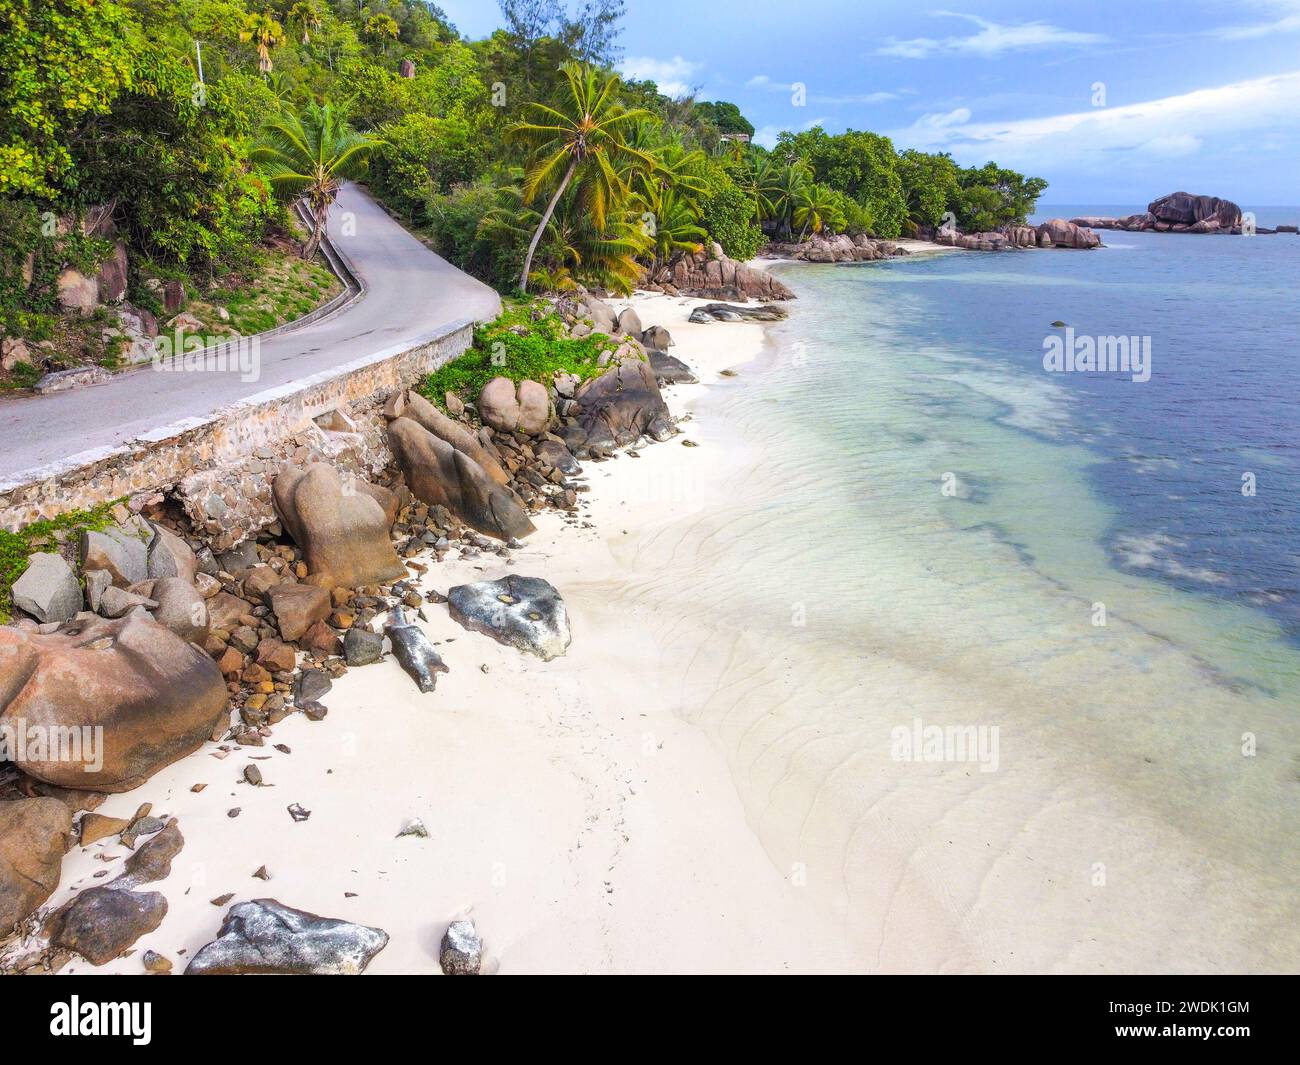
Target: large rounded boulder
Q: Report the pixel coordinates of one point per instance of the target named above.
(105, 705)
(622, 405)
(429, 416)
(340, 523)
(440, 475)
(34, 835)
(498, 405)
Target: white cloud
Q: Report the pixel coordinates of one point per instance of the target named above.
(992, 39)
(673, 76)
(1171, 126)
(1283, 16)
(762, 81)
(957, 117)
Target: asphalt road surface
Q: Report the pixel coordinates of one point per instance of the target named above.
(410, 295)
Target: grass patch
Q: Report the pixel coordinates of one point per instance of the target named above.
(280, 287)
(24, 375)
(527, 341)
(48, 535)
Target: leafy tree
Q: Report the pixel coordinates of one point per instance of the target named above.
(422, 156)
(726, 116)
(61, 61)
(1005, 197)
(929, 185)
(858, 163)
(727, 214)
(264, 32)
(311, 154)
(592, 32)
(174, 168)
(579, 139)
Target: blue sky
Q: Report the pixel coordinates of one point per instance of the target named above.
(1112, 102)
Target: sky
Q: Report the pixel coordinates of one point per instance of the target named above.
(1112, 101)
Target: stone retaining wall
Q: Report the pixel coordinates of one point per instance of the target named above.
(221, 468)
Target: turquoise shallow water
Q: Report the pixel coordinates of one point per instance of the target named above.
(931, 528)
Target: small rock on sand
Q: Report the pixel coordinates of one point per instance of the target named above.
(266, 936)
(462, 950)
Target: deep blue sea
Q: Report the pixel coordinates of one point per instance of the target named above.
(1172, 455)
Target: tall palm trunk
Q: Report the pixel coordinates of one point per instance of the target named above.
(317, 232)
(541, 227)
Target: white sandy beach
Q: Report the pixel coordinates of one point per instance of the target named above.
(582, 823)
(696, 789)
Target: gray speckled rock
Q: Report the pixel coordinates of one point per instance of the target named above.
(414, 652)
(523, 612)
(266, 937)
(101, 922)
(361, 647)
(670, 370)
(729, 312)
(48, 589)
(122, 552)
(462, 950)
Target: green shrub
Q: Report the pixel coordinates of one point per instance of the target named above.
(16, 548)
(527, 342)
(728, 216)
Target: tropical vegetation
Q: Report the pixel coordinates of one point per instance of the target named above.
(524, 157)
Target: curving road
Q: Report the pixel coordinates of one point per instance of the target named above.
(410, 296)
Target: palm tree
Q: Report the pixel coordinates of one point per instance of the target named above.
(814, 208)
(584, 134)
(570, 247)
(262, 30)
(759, 182)
(785, 186)
(676, 225)
(382, 28)
(311, 154)
(307, 14)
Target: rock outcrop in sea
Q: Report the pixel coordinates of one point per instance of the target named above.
(1054, 233)
(1181, 212)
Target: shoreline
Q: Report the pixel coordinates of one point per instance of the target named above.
(669, 796)
(581, 823)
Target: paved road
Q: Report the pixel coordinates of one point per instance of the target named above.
(411, 295)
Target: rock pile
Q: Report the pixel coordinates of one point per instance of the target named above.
(835, 248)
(711, 275)
(141, 635)
(1054, 233)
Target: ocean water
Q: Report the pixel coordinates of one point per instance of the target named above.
(928, 529)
